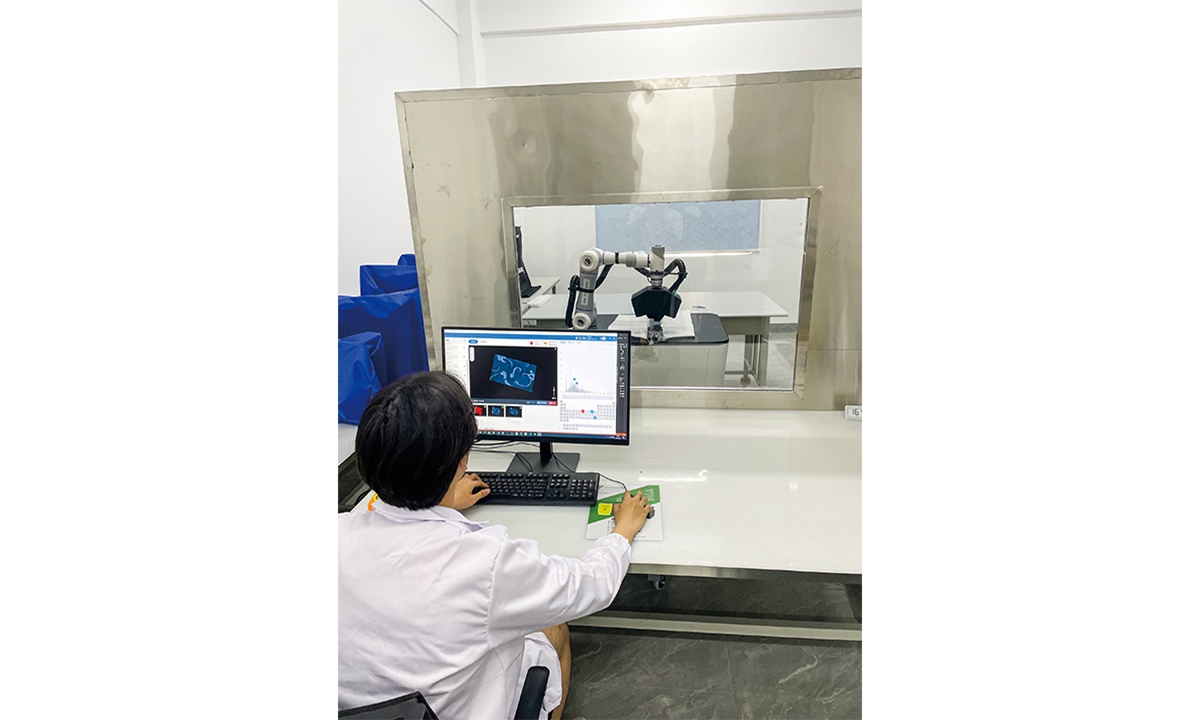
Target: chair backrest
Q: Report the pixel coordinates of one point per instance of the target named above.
(406, 707)
(529, 706)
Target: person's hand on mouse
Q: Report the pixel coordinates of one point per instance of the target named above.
(630, 515)
(469, 490)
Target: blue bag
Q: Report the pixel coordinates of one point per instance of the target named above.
(397, 318)
(407, 259)
(379, 279)
(360, 359)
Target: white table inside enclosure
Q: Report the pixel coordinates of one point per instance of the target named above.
(545, 286)
(744, 312)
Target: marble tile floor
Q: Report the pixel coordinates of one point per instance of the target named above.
(632, 674)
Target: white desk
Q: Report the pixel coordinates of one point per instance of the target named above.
(350, 486)
(549, 284)
(745, 493)
(741, 490)
(346, 435)
(545, 286)
(746, 313)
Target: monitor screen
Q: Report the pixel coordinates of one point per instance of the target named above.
(544, 385)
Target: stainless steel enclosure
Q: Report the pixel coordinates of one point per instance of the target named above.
(469, 154)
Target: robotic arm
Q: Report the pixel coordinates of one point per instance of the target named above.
(654, 302)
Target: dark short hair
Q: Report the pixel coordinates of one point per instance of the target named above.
(411, 437)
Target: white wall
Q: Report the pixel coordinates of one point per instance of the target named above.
(384, 46)
(529, 42)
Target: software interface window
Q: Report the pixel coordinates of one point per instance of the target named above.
(528, 384)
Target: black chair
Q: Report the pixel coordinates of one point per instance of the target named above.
(413, 706)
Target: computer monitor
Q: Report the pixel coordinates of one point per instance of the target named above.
(543, 386)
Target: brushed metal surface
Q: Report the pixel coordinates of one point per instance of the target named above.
(722, 625)
(709, 571)
(467, 151)
(834, 379)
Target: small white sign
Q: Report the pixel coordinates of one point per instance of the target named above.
(854, 412)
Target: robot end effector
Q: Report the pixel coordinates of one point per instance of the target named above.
(654, 302)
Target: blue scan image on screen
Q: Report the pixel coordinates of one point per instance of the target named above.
(513, 373)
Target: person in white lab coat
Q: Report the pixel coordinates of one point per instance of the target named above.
(432, 602)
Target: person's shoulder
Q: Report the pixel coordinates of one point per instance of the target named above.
(352, 524)
(493, 534)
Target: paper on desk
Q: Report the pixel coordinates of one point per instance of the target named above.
(673, 327)
(600, 516)
(678, 327)
(539, 301)
(634, 324)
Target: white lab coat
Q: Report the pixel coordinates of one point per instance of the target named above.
(430, 601)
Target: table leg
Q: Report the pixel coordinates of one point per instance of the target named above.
(749, 363)
(755, 361)
(764, 349)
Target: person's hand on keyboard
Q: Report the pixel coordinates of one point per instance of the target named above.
(630, 515)
(468, 490)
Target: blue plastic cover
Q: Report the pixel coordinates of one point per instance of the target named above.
(360, 357)
(379, 279)
(395, 316)
(407, 259)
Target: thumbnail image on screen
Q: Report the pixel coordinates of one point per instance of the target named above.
(514, 373)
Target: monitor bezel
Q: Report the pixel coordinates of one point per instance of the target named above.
(568, 439)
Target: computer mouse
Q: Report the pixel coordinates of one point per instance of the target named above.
(650, 514)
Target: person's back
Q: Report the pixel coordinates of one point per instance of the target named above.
(391, 591)
(430, 601)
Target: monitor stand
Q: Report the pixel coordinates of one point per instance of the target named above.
(545, 461)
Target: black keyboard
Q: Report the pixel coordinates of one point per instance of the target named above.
(541, 488)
